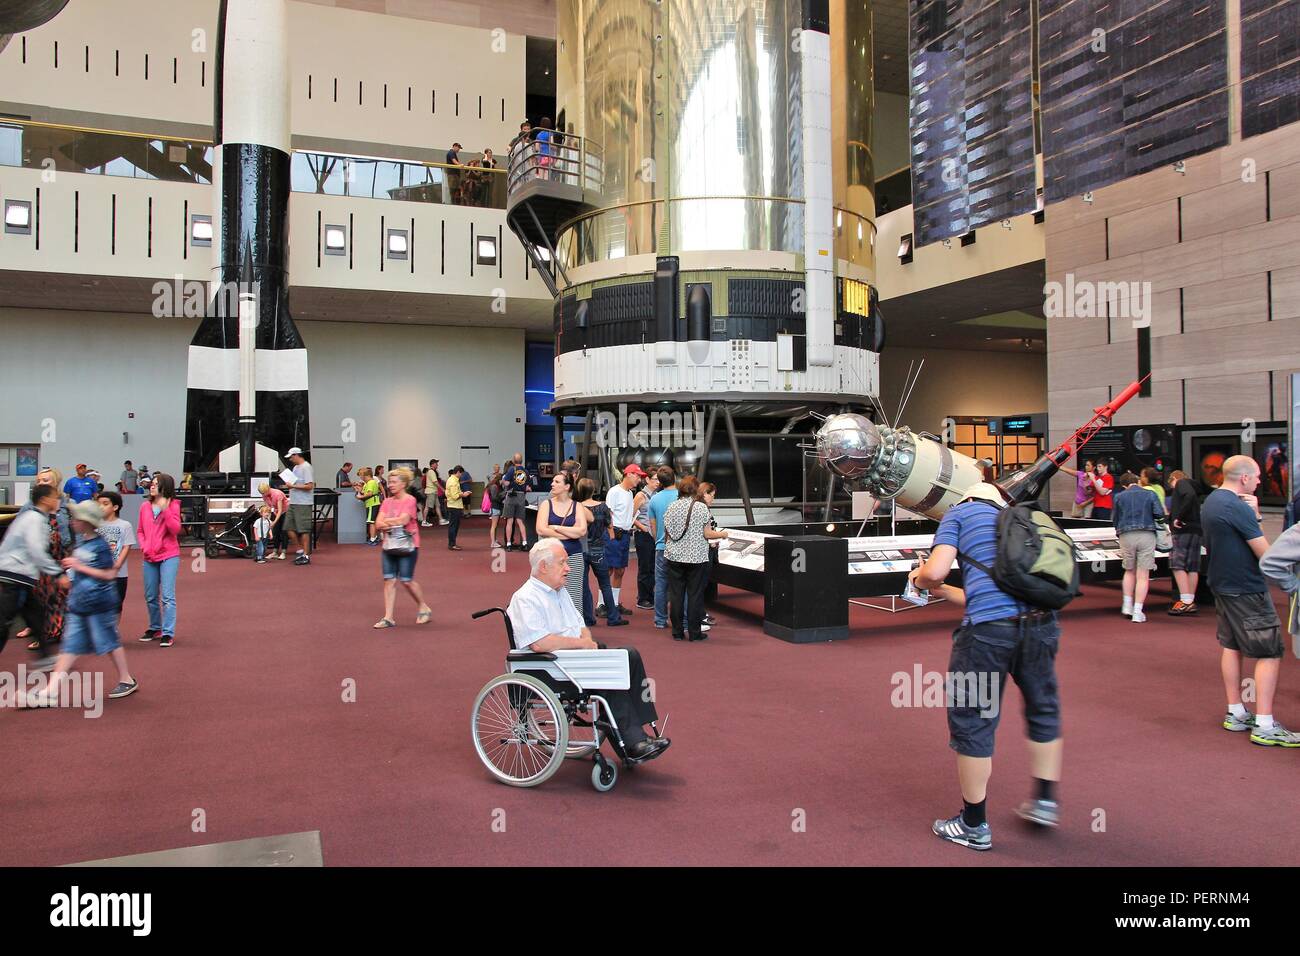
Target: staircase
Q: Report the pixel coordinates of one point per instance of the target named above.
(547, 185)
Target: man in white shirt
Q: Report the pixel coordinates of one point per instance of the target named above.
(302, 494)
(543, 619)
(621, 503)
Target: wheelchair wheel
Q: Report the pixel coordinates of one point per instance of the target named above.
(521, 732)
(604, 775)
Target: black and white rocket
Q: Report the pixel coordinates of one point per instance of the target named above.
(247, 382)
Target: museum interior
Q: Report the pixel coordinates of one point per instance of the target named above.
(721, 321)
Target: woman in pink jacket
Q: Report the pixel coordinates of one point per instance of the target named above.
(158, 531)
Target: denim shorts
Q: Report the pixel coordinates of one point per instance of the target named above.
(400, 566)
(983, 656)
(616, 550)
(90, 633)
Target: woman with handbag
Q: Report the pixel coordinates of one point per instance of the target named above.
(51, 593)
(688, 529)
(399, 526)
(599, 522)
(560, 517)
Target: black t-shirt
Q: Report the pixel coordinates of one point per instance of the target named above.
(1185, 506)
(1228, 523)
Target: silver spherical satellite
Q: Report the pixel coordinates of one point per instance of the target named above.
(848, 445)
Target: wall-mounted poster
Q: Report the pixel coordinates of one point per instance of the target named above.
(28, 461)
(4, 462)
(1274, 469)
(411, 463)
(1208, 455)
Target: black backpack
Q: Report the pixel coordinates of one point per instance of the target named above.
(1036, 562)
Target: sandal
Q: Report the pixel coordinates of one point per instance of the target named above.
(423, 616)
(383, 623)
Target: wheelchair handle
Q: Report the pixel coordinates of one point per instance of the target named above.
(486, 611)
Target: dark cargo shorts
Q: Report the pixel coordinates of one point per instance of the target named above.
(983, 656)
(1248, 623)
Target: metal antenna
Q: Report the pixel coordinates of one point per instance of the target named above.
(910, 387)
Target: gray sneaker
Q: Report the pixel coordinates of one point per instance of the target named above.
(1045, 813)
(1275, 736)
(1238, 724)
(956, 831)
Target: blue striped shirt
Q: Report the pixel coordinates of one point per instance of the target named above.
(971, 528)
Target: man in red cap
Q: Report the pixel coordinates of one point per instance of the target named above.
(82, 487)
(620, 501)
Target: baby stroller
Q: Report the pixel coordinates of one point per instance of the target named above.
(236, 537)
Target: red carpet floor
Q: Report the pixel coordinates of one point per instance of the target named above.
(244, 719)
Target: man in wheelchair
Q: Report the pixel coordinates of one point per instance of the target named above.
(544, 619)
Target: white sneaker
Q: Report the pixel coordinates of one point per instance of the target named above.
(1139, 617)
(426, 524)
(1127, 609)
(444, 521)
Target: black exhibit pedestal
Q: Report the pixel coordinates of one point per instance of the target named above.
(805, 598)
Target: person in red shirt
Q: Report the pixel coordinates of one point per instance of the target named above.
(1104, 482)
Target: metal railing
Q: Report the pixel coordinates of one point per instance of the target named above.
(366, 177)
(28, 144)
(562, 158)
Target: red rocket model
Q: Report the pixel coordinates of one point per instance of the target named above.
(1028, 484)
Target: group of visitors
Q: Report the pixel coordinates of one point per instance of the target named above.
(64, 570)
(473, 185)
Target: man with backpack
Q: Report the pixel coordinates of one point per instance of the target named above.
(517, 482)
(1000, 635)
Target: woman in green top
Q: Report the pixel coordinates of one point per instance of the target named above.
(1150, 480)
(371, 497)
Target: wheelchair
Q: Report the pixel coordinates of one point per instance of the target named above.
(523, 720)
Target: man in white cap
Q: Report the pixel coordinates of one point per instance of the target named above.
(298, 522)
(998, 637)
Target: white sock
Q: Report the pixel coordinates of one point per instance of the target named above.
(1137, 608)
(1237, 710)
(1128, 605)
(1264, 721)
(616, 590)
(1187, 598)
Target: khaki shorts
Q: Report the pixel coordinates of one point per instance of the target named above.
(1139, 550)
(298, 519)
(1248, 623)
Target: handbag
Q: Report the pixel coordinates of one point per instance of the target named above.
(486, 506)
(1164, 537)
(398, 541)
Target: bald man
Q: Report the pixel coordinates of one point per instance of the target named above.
(1248, 622)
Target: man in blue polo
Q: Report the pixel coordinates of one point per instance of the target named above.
(665, 496)
(998, 637)
(81, 487)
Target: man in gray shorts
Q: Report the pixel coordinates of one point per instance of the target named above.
(298, 522)
(1248, 622)
(517, 483)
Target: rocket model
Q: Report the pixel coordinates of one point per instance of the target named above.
(926, 476)
(247, 381)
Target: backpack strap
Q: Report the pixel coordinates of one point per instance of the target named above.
(966, 557)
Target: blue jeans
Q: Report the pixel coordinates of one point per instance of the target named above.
(661, 591)
(161, 573)
(598, 567)
(261, 549)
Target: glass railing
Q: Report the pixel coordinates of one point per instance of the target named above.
(330, 174)
(100, 152)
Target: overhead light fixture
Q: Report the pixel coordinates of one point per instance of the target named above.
(18, 217)
(336, 240)
(200, 230)
(905, 248)
(859, 230)
(397, 243)
(486, 251)
(839, 218)
(1040, 209)
(1087, 197)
